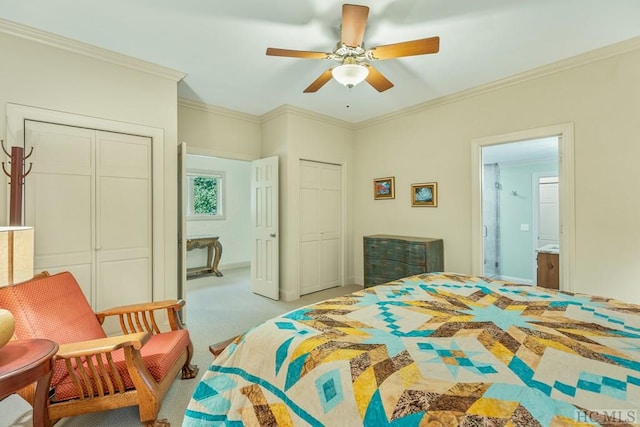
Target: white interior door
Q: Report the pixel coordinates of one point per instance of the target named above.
(548, 214)
(58, 200)
(320, 226)
(89, 198)
(264, 216)
(123, 219)
(182, 224)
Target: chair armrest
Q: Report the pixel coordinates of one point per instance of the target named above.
(93, 371)
(141, 317)
(102, 345)
(147, 306)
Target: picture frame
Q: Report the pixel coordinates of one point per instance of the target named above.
(384, 188)
(424, 194)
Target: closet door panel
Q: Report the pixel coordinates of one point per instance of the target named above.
(329, 220)
(310, 211)
(330, 232)
(309, 274)
(320, 226)
(58, 195)
(330, 261)
(124, 155)
(62, 221)
(309, 238)
(123, 255)
(121, 281)
(310, 207)
(123, 215)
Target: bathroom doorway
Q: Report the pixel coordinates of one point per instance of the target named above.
(505, 230)
(510, 206)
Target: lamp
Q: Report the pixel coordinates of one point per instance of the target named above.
(16, 255)
(350, 73)
(16, 265)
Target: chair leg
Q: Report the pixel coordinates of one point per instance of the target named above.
(188, 370)
(148, 395)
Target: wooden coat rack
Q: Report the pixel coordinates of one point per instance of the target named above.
(16, 177)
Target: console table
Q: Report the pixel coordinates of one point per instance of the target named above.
(214, 253)
(24, 362)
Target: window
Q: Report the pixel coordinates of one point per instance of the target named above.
(205, 193)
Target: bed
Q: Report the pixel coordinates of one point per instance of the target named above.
(437, 349)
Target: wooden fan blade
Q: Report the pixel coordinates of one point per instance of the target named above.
(272, 51)
(354, 21)
(319, 82)
(414, 47)
(377, 80)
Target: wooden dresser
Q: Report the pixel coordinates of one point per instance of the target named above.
(388, 257)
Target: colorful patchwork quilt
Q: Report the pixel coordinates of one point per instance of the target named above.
(432, 350)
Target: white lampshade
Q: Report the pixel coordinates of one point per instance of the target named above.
(350, 74)
(16, 255)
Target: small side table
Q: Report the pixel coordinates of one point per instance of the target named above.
(23, 362)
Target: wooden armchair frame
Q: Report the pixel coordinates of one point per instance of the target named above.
(93, 366)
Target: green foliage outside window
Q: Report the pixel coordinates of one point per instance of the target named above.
(205, 195)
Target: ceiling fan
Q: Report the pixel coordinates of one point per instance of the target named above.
(354, 60)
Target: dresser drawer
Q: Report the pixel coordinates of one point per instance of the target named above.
(386, 249)
(416, 254)
(387, 268)
(396, 249)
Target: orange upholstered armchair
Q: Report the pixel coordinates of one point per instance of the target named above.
(94, 372)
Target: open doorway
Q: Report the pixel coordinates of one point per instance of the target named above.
(566, 201)
(511, 206)
(232, 220)
(228, 219)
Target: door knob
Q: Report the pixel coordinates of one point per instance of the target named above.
(272, 235)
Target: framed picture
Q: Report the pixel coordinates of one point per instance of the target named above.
(384, 188)
(425, 194)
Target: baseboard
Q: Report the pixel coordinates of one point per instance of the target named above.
(234, 266)
(289, 296)
(350, 280)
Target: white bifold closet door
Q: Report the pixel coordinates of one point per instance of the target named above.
(88, 198)
(320, 226)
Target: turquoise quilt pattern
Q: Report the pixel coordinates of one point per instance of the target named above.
(438, 349)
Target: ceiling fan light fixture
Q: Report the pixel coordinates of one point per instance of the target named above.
(350, 75)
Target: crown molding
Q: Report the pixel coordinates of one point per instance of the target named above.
(301, 112)
(207, 108)
(596, 55)
(74, 46)
(273, 114)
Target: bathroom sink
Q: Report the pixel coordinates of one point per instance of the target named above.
(552, 248)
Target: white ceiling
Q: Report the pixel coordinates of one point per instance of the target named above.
(221, 44)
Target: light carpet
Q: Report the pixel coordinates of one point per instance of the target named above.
(217, 308)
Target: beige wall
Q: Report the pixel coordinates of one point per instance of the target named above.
(294, 134)
(39, 75)
(601, 98)
(214, 131)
